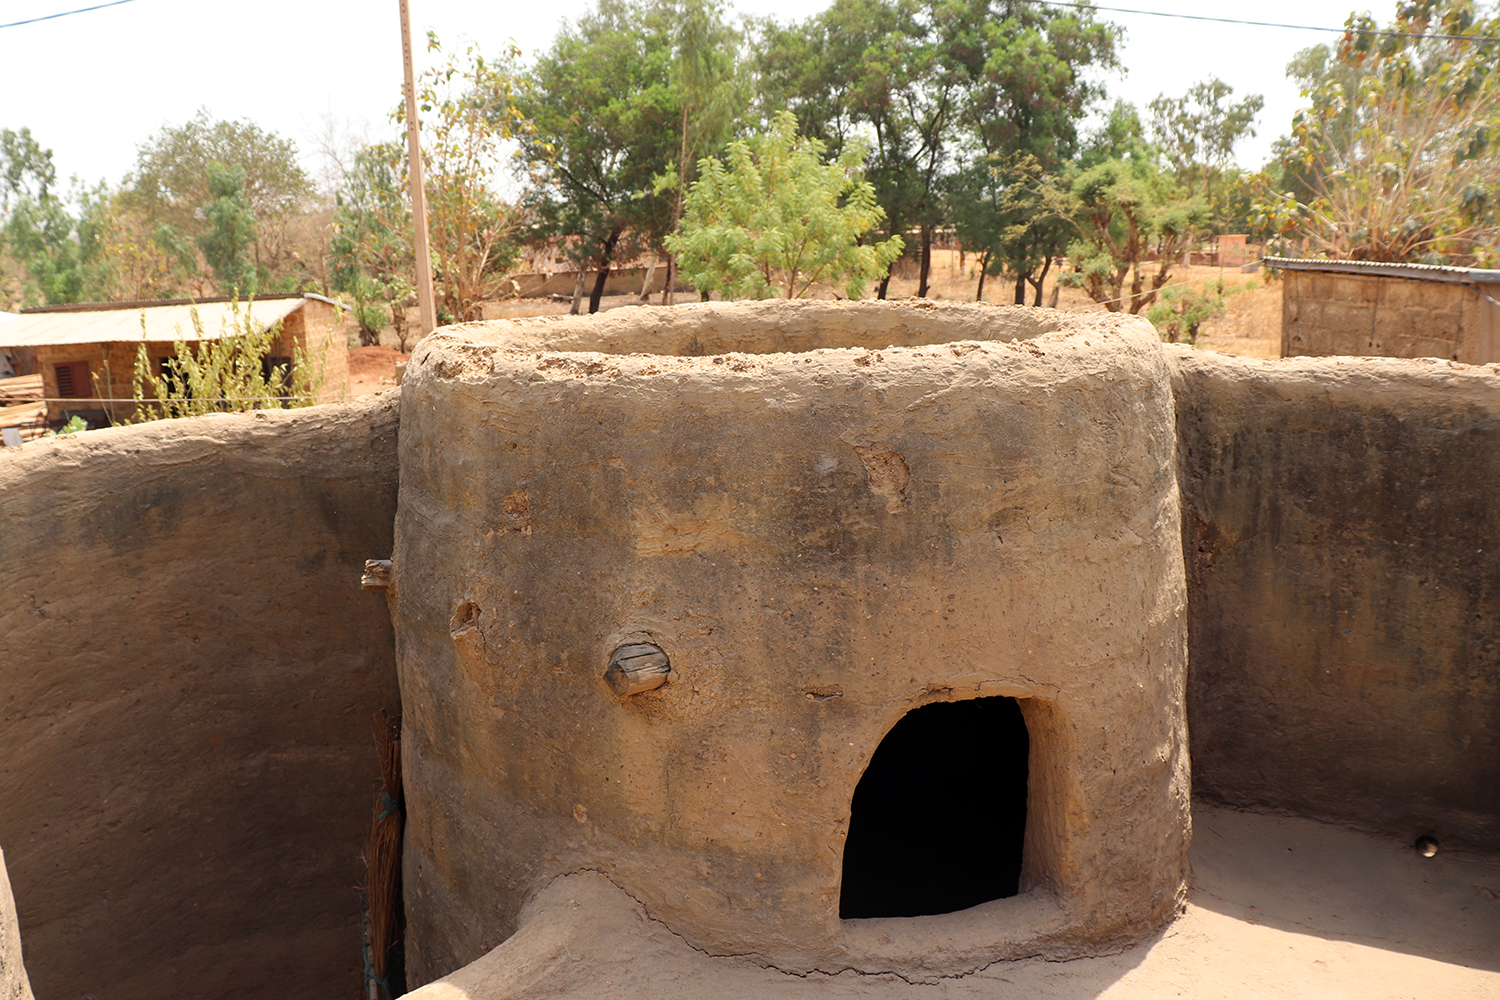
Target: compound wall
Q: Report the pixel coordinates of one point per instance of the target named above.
(1342, 539)
(188, 669)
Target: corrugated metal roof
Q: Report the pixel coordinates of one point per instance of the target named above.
(1425, 272)
(162, 323)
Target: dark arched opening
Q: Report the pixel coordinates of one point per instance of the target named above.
(939, 816)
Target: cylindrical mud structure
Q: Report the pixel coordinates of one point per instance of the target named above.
(812, 542)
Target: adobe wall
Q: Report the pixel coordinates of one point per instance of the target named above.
(322, 330)
(1326, 314)
(13, 982)
(188, 669)
(1342, 537)
(822, 541)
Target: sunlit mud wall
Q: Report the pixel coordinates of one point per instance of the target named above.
(822, 541)
(188, 669)
(1342, 537)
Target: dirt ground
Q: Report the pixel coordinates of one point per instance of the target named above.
(373, 369)
(1279, 907)
(1251, 327)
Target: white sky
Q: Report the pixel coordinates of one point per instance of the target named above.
(92, 86)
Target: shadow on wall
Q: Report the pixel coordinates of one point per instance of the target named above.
(1343, 553)
(189, 670)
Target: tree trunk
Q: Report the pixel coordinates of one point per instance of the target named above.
(1037, 282)
(885, 282)
(984, 266)
(646, 285)
(1021, 288)
(577, 290)
(667, 298)
(926, 261)
(604, 259)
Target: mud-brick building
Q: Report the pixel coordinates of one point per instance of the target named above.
(1358, 308)
(86, 353)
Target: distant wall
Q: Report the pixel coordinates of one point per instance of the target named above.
(1325, 314)
(1342, 538)
(188, 669)
(621, 281)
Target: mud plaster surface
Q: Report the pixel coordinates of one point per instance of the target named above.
(1279, 907)
(822, 541)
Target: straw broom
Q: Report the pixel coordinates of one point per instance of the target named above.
(385, 966)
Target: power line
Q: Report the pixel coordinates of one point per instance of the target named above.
(80, 10)
(1271, 24)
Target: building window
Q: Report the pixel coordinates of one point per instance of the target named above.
(73, 380)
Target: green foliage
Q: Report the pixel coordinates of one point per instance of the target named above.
(1000, 208)
(776, 219)
(1197, 132)
(223, 375)
(1127, 212)
(606, 106)
(26, 170)
(231, 230)
(469, 113)
(1183, 308)
(172, 184)
(371, 243)
(1395, 159)
(73, 426)
(992, 83)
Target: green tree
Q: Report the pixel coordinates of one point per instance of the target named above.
(711, 97)
(1030, 87)
(1133, 222)
(879, 68)
(1197, 132)
(1395, 159)
(953, 93)
(372, 244)
(469, 114)
(170, 185)
(605, 105)
(777, 219)
(1183, 309)
(231, 230)
(1000, 208)
(26, 170)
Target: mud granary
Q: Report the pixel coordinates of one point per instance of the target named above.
(1101, 563)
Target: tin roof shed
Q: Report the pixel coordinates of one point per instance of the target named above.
(161, 322)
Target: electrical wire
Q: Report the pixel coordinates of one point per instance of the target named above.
(80, 10)
(1270, 24)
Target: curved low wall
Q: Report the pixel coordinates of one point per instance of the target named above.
(821, 542)
(188, 669)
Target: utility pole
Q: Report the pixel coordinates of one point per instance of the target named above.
(427, 315)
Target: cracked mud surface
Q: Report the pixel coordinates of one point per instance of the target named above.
(1280, 907)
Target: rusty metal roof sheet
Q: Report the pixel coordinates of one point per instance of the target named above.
(1427, 272)
(161, 323)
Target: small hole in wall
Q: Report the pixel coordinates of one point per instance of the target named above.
(465, 617)
(939, 817)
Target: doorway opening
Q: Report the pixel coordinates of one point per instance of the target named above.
(938, 819)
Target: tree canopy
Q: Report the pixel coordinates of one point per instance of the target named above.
(1395, 159)
(775, 219)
